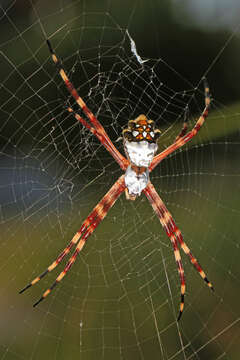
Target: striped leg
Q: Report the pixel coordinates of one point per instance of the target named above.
(163, 216)
(81, 232)
(55, 263)
(185, 125)
(171, 228)
(191, 257)
(182, 140)
(92, 129)
(100, 132)
(87, 228)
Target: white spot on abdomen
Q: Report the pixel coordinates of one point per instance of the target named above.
(140, 153)
(134, 182)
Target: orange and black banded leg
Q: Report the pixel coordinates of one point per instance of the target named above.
(193, 260)
(66, 251)
(54, 264)
(156, 201)
(187, 137)
(170, 228)
(185, 125)
(89, 225)
(102, 135)
(90, 128)
(81, 232)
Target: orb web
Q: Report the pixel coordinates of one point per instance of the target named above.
(121, 297)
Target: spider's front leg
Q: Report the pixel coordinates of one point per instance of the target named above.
(185, 125)
(87, 228)
(184, 137)
(94, 126)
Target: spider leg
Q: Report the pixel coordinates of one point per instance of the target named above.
(185, 125)
(193, 260)
(163, 216)
(107, 145)
(87, 228)
(65, 251)
(182, 140)
(54, 264)
(171, 228)
(100, 132)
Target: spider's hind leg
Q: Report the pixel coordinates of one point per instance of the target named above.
(87, 228)
(165, 219)
(176, 238)
(193, 260)
(55, 262)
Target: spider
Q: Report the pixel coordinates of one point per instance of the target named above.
(140, 145)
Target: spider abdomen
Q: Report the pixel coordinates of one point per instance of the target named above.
(135, 182)
(140, 153)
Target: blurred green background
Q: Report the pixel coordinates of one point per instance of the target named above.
(120, 300)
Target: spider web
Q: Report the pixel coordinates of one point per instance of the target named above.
(121, 297)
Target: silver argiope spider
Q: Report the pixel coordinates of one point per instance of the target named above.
(140, 145)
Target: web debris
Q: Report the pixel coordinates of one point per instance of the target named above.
(134, 50)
